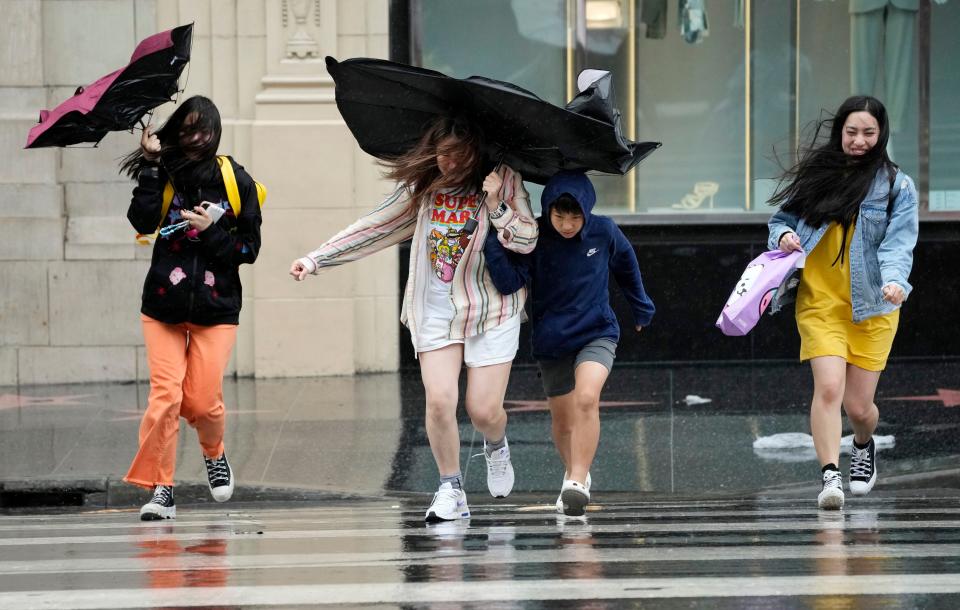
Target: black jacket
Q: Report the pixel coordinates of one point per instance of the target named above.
(196, 279)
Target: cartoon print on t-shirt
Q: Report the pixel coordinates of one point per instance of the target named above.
(447, 238)
(445, 253)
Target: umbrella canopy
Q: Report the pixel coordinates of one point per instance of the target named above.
(388, 105)
(117, 101)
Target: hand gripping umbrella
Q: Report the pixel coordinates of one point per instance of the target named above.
(117, 101)
(388, 105)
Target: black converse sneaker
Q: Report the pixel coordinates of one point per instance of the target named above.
(863, 469)
(219, 477)
(160, 506)
(831, 495)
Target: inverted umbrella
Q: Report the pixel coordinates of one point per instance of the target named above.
(117, 101)
(388, 105)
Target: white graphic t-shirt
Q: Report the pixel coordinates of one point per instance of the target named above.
(446, 243)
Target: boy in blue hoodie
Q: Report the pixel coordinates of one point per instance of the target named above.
(575, 331)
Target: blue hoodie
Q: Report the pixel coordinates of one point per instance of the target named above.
(569, 278)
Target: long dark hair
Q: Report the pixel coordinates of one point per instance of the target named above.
(417, 168)
(200, 166)
(827, 185)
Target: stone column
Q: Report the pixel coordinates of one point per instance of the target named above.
(69, 266)
(70, 275)
(345, 319)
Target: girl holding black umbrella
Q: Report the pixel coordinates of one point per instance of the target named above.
(455, 314)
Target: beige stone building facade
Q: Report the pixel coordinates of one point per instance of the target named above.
(70, 269)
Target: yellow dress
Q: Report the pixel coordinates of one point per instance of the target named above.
(825, 312)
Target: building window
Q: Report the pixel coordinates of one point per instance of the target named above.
(729, 86)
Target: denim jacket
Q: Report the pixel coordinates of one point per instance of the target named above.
(881, 249)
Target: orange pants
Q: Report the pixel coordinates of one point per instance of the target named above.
(186, 362)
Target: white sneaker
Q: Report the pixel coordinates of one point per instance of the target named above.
(831, 496)
(499, 470)
(575, 497)
(560, 497)
(160, 506)
(448, 504)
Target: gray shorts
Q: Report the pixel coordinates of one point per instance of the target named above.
(558, 375)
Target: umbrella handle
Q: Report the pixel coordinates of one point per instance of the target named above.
(472, 223)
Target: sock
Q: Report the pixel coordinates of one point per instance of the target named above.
(830, 466)
(456, 480)
(491, 446)
(863, 446)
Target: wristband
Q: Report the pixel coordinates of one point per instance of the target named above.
(500, 211)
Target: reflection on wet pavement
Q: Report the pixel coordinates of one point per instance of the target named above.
(751, 552)
(364, 434)
(686, 513)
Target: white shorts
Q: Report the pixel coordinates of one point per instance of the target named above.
(495, 346)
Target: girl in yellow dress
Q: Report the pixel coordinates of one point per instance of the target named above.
(855, 215)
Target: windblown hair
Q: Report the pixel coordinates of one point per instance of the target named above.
(566, 204)
(827, 185)
(417, 169)
(183, 170)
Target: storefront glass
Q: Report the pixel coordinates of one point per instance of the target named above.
(730, 87)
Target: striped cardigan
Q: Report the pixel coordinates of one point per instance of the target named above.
(477, 303)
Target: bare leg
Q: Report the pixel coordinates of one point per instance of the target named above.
(440, 371)
(486, 387)
(829, 378)
(585, 436)
(858, 402)
(561, 415)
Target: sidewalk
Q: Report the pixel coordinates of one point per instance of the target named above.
(363, 435)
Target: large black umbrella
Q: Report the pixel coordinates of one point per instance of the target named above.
(117, 101)
(388, 105)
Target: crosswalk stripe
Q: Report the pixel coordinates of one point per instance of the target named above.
(499, 555)
(229, 520)
(423, 532)
(491, 590)
(374, 554)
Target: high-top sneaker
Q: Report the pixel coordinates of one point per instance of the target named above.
(863, 469)
(219, 477)
(831, 495)
(160, 506)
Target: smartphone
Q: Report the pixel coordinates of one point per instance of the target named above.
(214, 210)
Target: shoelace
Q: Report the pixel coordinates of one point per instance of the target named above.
(450, 495)
(860, 463)
(162, 495)
(217, 471)
(832, 478)
(495, 465)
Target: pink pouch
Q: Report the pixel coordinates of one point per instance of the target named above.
(753, 293)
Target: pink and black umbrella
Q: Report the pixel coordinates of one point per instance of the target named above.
(117, 101)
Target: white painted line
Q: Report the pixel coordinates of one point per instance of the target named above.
(627, 529)
(480, 591)
(502, 554)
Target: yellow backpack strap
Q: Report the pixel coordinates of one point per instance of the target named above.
(230, 182)
(165, 200)
(261, 192)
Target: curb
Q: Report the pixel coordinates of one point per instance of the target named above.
(97, 493)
